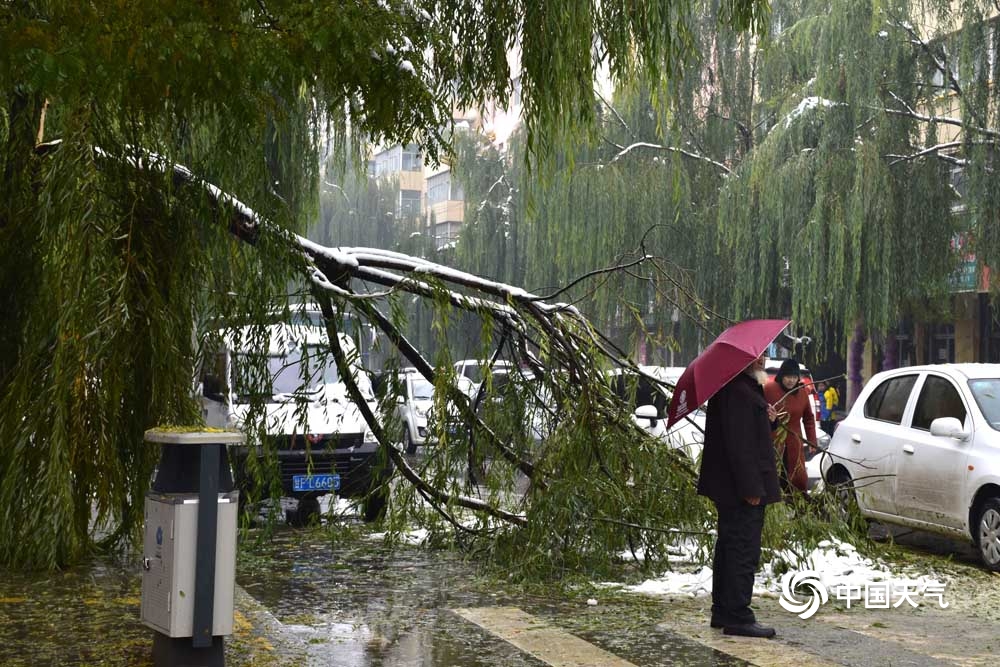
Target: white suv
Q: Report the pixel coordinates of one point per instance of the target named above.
(921, 448)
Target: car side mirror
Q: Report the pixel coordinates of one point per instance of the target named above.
(647, 412)
(949, 427)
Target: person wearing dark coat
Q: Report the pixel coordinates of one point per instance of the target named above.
(739, 475)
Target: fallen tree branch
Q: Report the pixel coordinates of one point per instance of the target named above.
(394, 454)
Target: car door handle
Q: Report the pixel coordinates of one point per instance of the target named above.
(855, 438)
(907, 449)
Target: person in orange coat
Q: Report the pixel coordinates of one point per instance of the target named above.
(791, 399)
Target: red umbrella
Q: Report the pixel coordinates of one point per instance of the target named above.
(724, 359)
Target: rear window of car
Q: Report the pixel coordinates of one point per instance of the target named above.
(888, 402)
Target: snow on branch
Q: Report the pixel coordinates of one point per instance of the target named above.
(625, 150)
(949, 145)
(808, 104)
(909, 112)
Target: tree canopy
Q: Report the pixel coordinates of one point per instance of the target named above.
(106, 269)
(835, 169)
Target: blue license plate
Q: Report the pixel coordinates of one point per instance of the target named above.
(315, 482)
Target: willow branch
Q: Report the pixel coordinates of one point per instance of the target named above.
(394, 454)
(932, 150)
(460, 399)
(940, 65)
(625, 150)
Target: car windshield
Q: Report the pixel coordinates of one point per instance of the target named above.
(987, 395)
(421, 389)
(304, 369)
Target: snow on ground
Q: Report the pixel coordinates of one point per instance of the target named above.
(337, 504)
(412, 537)
(837, 565)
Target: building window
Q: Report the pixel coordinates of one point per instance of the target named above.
(941, 344)
(412, 160)
(409, 203)
(445, 233)
(388, 162)
(439, 188)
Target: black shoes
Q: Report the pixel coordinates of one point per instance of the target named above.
(748, 630)
(717, 624)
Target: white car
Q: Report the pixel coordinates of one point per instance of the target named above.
(651, 401)
(413, 406)
(473, 370)
(921, 448)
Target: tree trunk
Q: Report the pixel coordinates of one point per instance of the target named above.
(855, 362)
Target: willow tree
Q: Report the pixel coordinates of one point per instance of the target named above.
(105, 274)
(861, 118)
(598, 221)
(827, 168)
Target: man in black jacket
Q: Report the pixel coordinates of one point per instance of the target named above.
(739, 474)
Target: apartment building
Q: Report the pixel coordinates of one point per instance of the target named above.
(445, 207)
(435, 194)
(407, 165)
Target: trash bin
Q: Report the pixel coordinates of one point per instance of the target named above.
(189, 548)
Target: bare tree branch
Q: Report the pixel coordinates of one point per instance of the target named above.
(909, 112)
(949, 145)
(616, 114)
(394, 454)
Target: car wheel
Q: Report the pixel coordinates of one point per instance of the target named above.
(373, 506)
(409, 446)
(988, 533)
(306, 512)
(845, 498)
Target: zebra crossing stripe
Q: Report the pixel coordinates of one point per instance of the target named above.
(536, 637)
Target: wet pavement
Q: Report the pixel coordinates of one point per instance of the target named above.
(86, 615)
(338, 596)
(360, 604)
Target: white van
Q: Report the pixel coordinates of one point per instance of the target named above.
(322, 443)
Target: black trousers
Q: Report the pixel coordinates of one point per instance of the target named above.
(737, 555)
